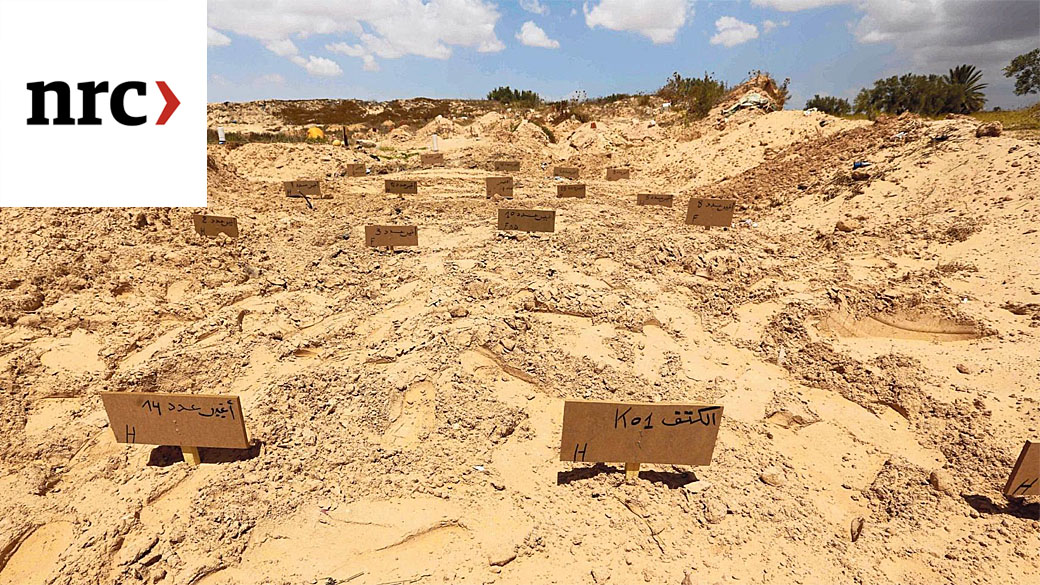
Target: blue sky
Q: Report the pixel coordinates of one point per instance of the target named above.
(386, 49)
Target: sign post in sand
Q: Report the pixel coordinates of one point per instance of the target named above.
(1025, 476)
(617, 173)
(401, 187)
(212, 225)
(506, 166)
(189, 421)
(662, 199)
(566, 172)
(635, 433)
(356, 170)
(391, 235)
(432, 159)
(527, 220)
(501, 186)
(570, 191)
(710, 212)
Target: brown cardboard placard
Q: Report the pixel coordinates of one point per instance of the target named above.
(506, 166)
(311, 189)
(212, 225)
(193, 420)
(570, 191)
(634, 432)
(402, 187)
(710, 212)
(618, 173)
(499, 186)
(1025, 476)
(356, 170)
(527, 220)
(431, 158)
(663, 199)
(566, 172)
(391, 235)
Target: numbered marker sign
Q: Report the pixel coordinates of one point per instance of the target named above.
(502, 186)
(570, 191)
(1025, 476)
(566, 172)
(710, 212)
(432, 159)
(507, 166)
(198, 420)
(356, 170)
(662, 199)
(402, 187)
(212, 225)
(311, 189)
(391, 235)
(616, 174)
(632, 432)
(527, 220)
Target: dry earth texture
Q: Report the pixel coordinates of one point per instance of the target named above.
(873, 337)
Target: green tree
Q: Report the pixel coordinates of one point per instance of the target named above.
(829, 105)
(1026, 71)
(507, 95)
(696, 96)
(966, 85)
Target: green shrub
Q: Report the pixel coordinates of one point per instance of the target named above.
(506, 95)
(696, 96)
(829, 105)
(959, 92)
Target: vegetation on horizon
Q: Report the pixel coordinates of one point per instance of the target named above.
(507, 95)
(1026, 71)
(697, 96)
(829, 105)
(958, 92)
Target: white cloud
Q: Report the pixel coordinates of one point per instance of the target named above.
(534, 6)
(533, 36)
(732, 32)
(318, 66)
(270, 79)
(215, 38)
(795, 5)
(371, 29)
(769, 25)
(658, 20)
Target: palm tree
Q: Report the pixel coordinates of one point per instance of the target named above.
(966, 80)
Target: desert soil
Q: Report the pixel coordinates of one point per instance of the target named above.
(872, 337)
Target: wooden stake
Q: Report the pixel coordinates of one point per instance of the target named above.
(631, 471)
(191, 456)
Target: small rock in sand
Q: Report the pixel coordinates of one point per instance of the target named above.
(989, 129)
(847, 225)
(773, 476)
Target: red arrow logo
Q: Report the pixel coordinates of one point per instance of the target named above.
(171, 103)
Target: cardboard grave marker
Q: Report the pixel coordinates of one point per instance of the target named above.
(402, 187)
(507, 166)
(311, 189)
(663, 199)
(1025, 476)
(356, 170)
(636, 433)
(212, 225)
(566, 172)
(432, 159)
(617, 173)
(391, 235)
(710, 212)
(570, 191)
(499, 186)
(187, 420)
(527, 220)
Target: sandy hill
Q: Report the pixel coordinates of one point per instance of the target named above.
(872, 334)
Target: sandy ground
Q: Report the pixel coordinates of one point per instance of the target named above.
(873, 340)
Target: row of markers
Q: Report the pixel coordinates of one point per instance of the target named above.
(700, 211)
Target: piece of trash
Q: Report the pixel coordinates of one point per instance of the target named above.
(478, 467)
(860, 164)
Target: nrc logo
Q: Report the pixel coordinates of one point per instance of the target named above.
(90, 91)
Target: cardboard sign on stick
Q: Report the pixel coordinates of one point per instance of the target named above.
(570, 191)
(566, 172)
(633, 432)
(391, 235)
(311, 189)
(356, 170)
(663, 199)
(1025, 476)
(191, 420)
(431, 159)
(402, 187)
(710, 212)
(499, 186)
(507, 166)
(616, 174)
(211, 225)
(527, 220)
